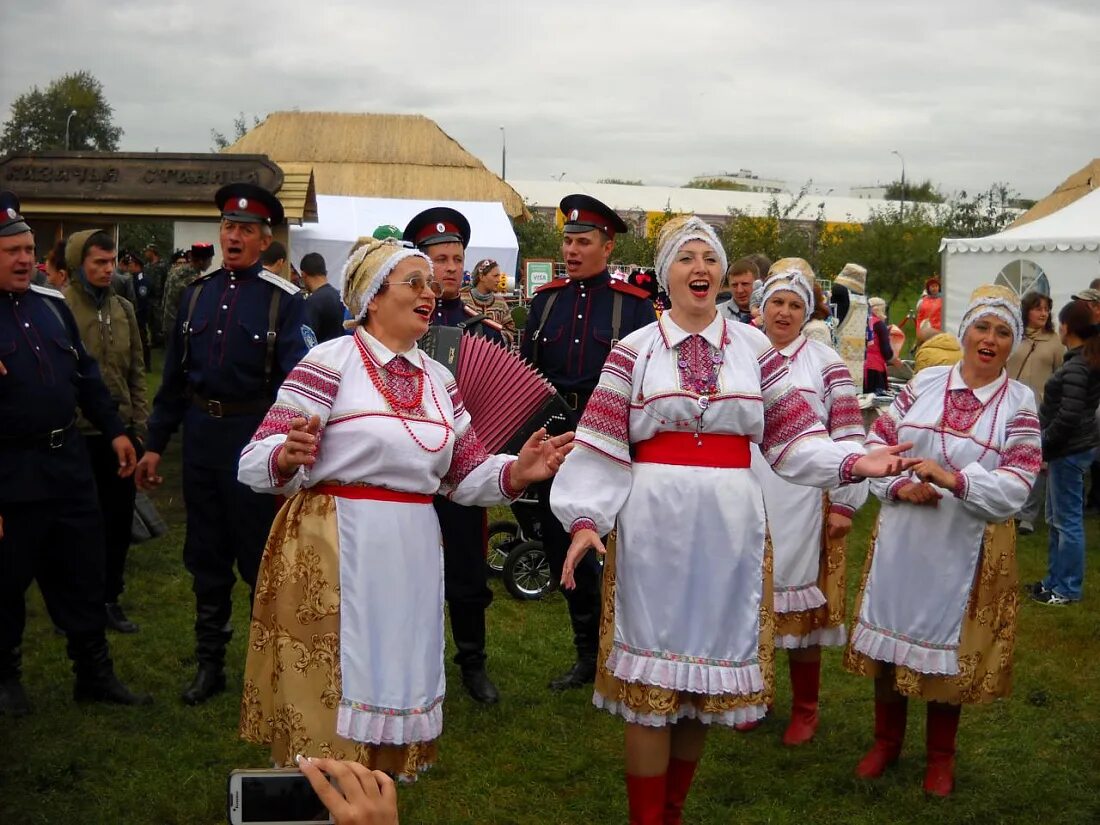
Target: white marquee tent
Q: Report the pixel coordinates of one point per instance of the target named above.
(1058, 254)
(342, 220)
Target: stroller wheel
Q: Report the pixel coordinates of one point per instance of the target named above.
(503, 536)
(527, 572)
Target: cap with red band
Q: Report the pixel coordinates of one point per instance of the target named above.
(584, 213)
(248, 203)
(440, 224)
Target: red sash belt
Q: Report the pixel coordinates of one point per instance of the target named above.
(369, 491)
(687, 450)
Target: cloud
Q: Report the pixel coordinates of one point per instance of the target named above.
(969, 93)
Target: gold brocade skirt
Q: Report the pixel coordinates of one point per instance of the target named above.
(292, 683)
(831, 581)
(652, 700)
(988, 634)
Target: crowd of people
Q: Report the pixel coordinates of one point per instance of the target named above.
(318, 439)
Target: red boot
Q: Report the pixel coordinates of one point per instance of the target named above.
(943, 725)
(890, 719)
(745, 727)
(805, 686)
(680, 774)
(646, 798)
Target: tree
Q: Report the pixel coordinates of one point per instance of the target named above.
(38, 118)
(538, 237)
(240, 129)
(923, 192)
(134, 237)
(621, 181)
(716, 183)
(983, 214)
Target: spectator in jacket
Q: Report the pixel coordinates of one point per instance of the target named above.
(1066, 418)
(1033, 361)
(109, 328)
(741, 276)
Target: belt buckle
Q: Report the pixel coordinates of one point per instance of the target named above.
(214, 408)
(573, 400)
(56, 439)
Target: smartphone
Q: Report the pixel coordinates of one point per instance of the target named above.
(276, 796)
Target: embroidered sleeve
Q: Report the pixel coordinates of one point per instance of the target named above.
(999, 494)
(308, 390)
(595, 479)
(844, 419)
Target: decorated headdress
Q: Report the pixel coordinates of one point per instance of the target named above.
(791, 275)
(369, 264)
(677, 232)
(990, 299)
(854, 277)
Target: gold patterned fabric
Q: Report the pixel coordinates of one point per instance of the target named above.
(292, 681)
(988, 634)
(652, 700)
(831, 581)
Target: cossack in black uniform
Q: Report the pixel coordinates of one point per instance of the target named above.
(239, 330)
(572, 324)
(51, 529)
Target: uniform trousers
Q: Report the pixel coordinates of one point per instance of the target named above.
(116, 502)
(465, 577)
(57, 542)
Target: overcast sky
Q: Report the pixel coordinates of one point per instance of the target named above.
(969, 91)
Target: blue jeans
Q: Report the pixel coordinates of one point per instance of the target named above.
(1066, 520)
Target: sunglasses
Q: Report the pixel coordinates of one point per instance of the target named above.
(417, 283)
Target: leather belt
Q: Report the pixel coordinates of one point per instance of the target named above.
(52, 440)
(224, 409)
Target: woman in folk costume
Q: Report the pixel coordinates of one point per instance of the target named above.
(936, 614)
(664, 454)
(808, 528)
(482, 297)
(345, 654)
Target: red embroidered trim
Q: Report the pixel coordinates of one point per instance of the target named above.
(960, 486)
(467, 456)
(1027, 458)
(845, 417)
(698, 364)
(276, 477)
(277, 421)
(785, 419)
(847, 469)
(313, 382)
(581, 523)
(505, 480)
(842, 510)
(897, 486)
(607, 413)
(885, 430)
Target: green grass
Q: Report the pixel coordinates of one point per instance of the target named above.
(540, 757)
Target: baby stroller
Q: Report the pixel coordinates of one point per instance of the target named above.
(516, 553)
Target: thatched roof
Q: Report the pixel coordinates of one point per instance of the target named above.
(388, 156)
(1077, 185)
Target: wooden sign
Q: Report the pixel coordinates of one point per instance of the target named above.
(132, 176)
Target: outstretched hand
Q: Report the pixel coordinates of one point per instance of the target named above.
(540, 458)
(582, 540)
(300, 446)
(885, 461)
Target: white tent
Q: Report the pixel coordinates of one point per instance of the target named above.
(342, 220)
(1058, 254)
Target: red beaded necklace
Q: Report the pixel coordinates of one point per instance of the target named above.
(395, 404)
(997, 398)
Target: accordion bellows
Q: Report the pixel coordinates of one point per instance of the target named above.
(506, 397)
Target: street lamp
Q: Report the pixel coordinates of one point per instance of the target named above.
(896, 152)
(503, 154)
(72, 114)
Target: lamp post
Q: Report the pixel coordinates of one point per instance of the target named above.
(896, 152)
(72, 114)
(503, 154)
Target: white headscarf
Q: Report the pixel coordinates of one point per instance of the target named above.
(790, 280)
(677, 232)
(367, 268)
(998, 301)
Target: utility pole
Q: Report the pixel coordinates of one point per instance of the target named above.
(503, 154)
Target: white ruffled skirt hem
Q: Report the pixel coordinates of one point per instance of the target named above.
(822, 637)
(899, 650)
(383, 726)
(799, 599)
(681, 673)
(751, 713)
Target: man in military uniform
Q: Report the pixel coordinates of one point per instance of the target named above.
(51, 528)
(571, 326)
(181, 277)
(240, 332)
(157, 272)
(143, 301)
(443, 234)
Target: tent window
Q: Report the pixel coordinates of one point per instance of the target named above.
(1024, 276)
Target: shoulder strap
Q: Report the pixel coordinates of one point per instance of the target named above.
(57, 314)
(553, 296)
(272, 337)
(616, 317)
(186, 328)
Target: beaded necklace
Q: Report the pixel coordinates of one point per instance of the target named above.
(997, 400)
(702, 383)
(395, 404)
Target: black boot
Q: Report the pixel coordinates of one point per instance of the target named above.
(468, 630)
(582, 673)
(117, 619)
(95, 674)
(13, 699)
(585, 619)
(212, 634)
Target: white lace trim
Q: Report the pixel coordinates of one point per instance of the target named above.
(799, 599)
(377, 727)
(822, 637)
(682, 673)
(910, 653)
(729, 718)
